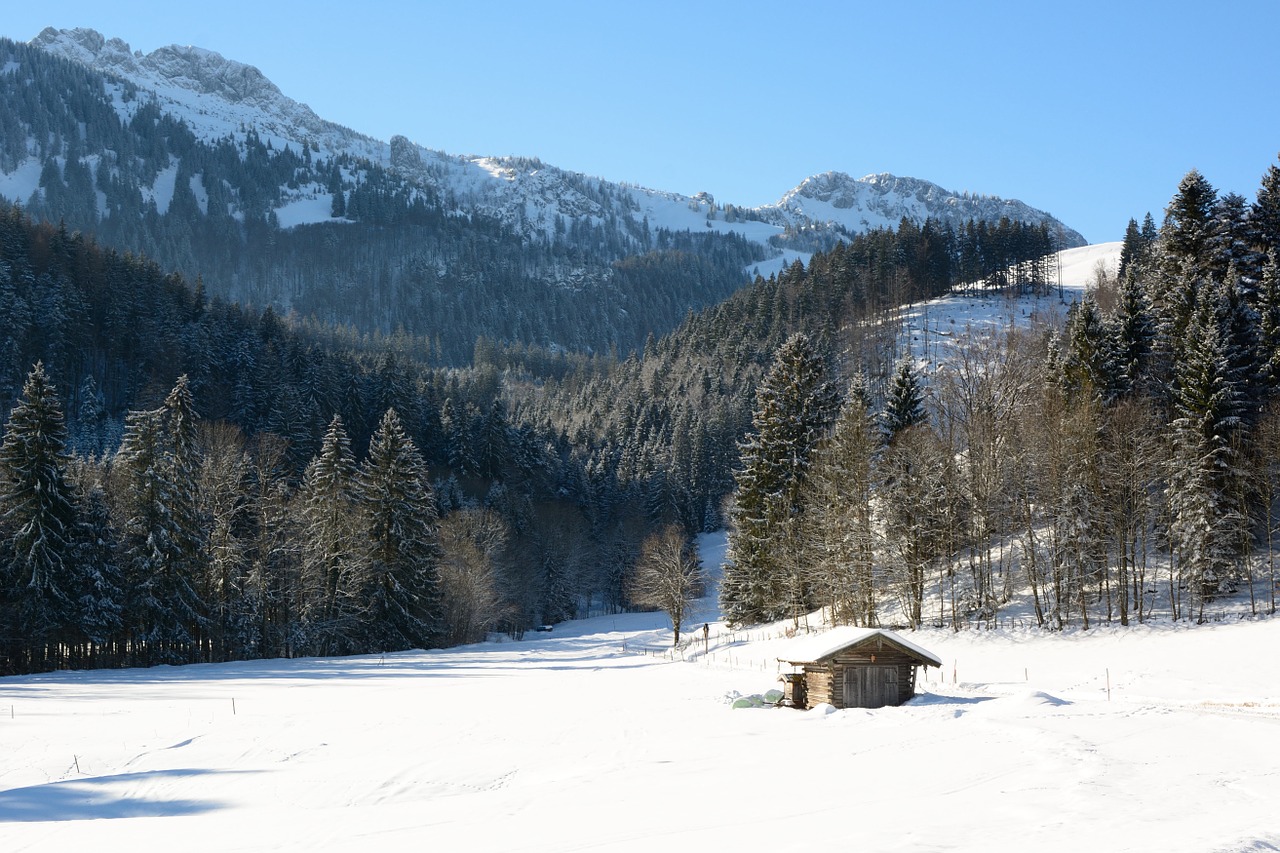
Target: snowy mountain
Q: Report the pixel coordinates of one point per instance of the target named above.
(884, 200)
(215, 96)
(218, 97)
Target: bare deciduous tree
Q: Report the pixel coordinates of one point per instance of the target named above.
(471, 541)
(668, 575)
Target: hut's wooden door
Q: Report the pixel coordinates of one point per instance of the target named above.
(870, 686)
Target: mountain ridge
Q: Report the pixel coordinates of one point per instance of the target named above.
(524, 192)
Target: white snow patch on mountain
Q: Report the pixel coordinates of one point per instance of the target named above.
(22, 182)
(196, 185)
(307, 211)
(161, 192)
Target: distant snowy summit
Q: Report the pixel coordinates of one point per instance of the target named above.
(190, 67)
(191, 83)
(884, 200)
(218, 98)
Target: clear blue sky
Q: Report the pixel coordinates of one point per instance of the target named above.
(1092, 111)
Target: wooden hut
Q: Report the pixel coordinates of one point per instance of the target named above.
(853, 668)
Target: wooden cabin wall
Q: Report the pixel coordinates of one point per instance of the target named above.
(818, 688)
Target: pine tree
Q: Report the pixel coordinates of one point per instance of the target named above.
(183, 459)
(1134, 334)
(1132, 251)
(904, 407)
(1089, 360)
(91, 418)
(1230, 242)
(1206, 522)
(165, 612)
(1188, 225)
(1264, 215)
(1269, 325)
(795, 404)
(913, 513)
(333, 547)
(403, 606)
(1078, 549)
(38, 521)
(838, 529)
(492, 442)
(99, 605)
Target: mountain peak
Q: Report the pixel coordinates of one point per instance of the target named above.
(88, 47)
(883, 200)
(195, 68)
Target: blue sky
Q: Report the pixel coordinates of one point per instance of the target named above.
(1092, 111)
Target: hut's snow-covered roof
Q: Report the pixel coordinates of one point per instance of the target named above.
(816, 647)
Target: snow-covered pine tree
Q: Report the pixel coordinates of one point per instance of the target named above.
(1090, 365)
(99, 605)
(1188, 225)
(1269, 325)
(1230, 242)
(913, 517)
(904, 406)
(179, 422)
(38, 519)
(838, 533)
(1205, 524)
(402, 597)
(1264, 215)
(493, 441)
(90, 419)
(1134, 332)
(1134, 252)
(333, 558)
(1076, 535)
(795, 404)
(164, 613)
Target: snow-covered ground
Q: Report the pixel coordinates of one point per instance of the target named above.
(933, 328)
(594, 737)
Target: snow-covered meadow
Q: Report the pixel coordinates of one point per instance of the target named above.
(595, 736)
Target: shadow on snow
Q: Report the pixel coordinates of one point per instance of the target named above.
(99, 798)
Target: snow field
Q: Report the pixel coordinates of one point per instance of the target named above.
(565, 742)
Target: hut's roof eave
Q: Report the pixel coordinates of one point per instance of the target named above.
(816, 648)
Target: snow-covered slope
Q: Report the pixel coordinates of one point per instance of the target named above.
(222, 98)
(932, 330)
